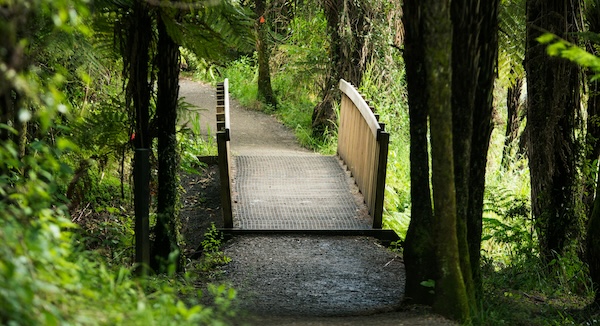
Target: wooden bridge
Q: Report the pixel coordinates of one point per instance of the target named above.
(287, 191)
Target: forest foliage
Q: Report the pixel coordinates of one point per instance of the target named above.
(66, 220)
(66, 215)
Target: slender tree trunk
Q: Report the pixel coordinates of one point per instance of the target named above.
(450, 293)
(138, 88)
(166, 230)
(465, 74)
(419, 249)
(265, 90)
(482, 131)
(553, 99)
(135, 50)
(513, 121)
(348, 27)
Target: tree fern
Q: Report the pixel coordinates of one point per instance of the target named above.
(511, 40)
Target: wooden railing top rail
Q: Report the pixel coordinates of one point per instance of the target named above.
(362, 106)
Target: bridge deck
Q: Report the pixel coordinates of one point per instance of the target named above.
(296, 192)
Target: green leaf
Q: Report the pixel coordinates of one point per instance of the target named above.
(546, 38)
(428, 284)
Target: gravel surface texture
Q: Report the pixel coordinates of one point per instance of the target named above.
(316, 276)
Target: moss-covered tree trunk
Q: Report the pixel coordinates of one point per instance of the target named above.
(265, 90)
(348, 28)
(466, 25)
(553, 99)
(166, 230)
(450, 292)
(419, 249)
(474, 49)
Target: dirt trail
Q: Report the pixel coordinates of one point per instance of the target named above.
(298, 279)
(252, 132)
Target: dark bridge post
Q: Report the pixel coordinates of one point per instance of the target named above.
(223, 138)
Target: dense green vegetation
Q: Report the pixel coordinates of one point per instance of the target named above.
(66, 215)
(66, 198)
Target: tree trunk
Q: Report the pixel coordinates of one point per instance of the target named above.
(513, 121)
(136, 64)
(465, 73)
(553, 99)
(265, 90)
(348, 27)
(450, 292)
(482, 131)
(419, 250)
(166, 230)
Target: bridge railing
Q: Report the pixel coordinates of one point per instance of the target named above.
(223, 137)
(363, 146)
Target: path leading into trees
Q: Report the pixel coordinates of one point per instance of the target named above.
(299, 279)
(279, 185)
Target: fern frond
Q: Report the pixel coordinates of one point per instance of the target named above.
(511, 40)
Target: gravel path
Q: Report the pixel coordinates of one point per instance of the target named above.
(300, 279)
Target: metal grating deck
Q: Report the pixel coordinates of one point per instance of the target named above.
(304, 192)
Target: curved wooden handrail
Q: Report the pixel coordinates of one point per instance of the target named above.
(361, 105)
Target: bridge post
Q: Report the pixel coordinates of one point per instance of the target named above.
(224, 154)
(384, 141)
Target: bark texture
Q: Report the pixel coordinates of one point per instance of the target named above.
(513, 120)
(482, 131)
(553, 99)
(474, 54)
(419, 250)
(465, 72)
(348, 27)
(166, 230)
(137, 57)
(450, 292)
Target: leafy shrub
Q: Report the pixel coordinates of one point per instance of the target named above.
(211, 249)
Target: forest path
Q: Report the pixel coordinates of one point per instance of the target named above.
(298, 279)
